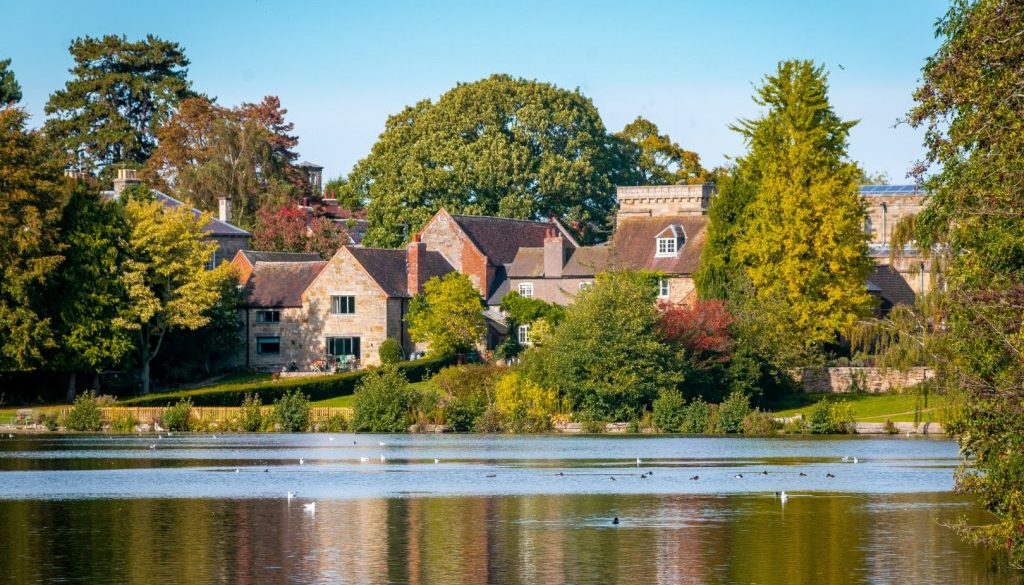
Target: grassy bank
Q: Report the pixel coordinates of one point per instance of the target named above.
(872, 407)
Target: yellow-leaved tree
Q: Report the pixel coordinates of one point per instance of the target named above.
(165, 277)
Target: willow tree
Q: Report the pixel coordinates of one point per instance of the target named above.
(972, 109)
(803, 247)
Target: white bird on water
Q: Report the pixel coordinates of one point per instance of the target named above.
(302, 461)
(855, 460)
(845, 459)
(236, 470)
(291, 495)
(364, 459)
(436, 460)
(310, 507)
(382, 443)
(783, 497)
(638, 461)
(383, 459)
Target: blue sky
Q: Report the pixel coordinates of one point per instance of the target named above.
(342, 67)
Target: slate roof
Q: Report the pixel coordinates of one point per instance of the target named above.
(389, 268)
(634, 244)
(214, 227)
(500, 238)
(891, 286)
(582, 262)
(254, 256)
(280, 284)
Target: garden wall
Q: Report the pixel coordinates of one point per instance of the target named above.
(852, 379)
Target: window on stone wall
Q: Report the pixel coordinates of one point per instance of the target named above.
(268, 345)
(341, 347)
(526, 289)
(586, 285)
(268, 316)
(664, 288)
(523, 334)
(343, 305)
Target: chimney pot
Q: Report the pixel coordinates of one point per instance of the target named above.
(224, 209)
(415, 265)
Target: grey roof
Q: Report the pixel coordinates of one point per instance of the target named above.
(280, 284)
(389, 268)
(891, 285)
(878, 190)
(214, 227)
(583, 262)
(499, 238)
(309, 165)
(254, 256)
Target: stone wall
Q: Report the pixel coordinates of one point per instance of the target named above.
(852, 379)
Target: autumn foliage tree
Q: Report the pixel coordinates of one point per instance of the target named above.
(287, 228)
(246, 153)
(701, 329)
(659, 160)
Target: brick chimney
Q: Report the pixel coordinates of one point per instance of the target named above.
(125, 177)
(554, 253)
(224, 209)
(416, 265)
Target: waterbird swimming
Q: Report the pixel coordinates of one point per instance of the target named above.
(382, 443)
(310, 507)
(364, 459)
(783, 497)
(738, 476)
(291, 495)
(829, 476)
(802, 474)
(492, 475)
(153, 446)
(302, 461)
(638, 461)
(855, 460)
(764, 473)
(615, 520)
(612, 478)
(695, 478)
(436, 460)
(383, 459)
(236, 470)
(846, 459)
(330, 438)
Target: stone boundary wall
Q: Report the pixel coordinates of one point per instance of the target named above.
(840, 380)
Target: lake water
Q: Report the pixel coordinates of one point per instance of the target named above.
(197, 509)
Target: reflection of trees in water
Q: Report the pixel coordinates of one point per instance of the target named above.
(518, 540)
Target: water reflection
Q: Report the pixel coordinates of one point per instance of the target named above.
(813, 539)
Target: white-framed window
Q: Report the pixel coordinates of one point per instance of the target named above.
(666, 247)
(268, 316)
(585, 285)
(343, 304)
(664, 289)
(523, 334)
(526, 289)
(268, 345)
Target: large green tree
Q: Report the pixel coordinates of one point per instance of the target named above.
(86, 294)
(164, 274)
(121, 91)
(447, 315)
(608, 357)
(499, 146)
(971, 105)
(208, 151)
(32, 195)
(659, 160)
(802, 244)
(10, 90)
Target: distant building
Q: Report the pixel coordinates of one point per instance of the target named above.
(230, 238)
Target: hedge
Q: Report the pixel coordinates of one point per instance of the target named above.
(315, 387)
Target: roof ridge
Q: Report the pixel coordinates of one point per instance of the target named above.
(501, 218)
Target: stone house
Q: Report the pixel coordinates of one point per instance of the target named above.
(899, 280)
(300, 312)
(483, 247)
(658, 228)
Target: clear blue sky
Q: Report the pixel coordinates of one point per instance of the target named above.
(342, 67)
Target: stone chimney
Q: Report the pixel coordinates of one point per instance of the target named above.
(416, 265)
(224, 209)
(125, 177)
(554, 253)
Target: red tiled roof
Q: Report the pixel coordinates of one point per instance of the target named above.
(280, 284)
(501, 238)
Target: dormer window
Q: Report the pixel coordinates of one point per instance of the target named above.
(668, 241)
(666, 247)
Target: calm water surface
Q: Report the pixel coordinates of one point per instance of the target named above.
(202, 509)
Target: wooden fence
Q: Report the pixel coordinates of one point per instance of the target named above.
(150, 414)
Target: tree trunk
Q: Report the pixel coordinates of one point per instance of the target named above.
(144, 359)
(69, 397)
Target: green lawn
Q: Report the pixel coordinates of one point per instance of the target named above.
(223, 382)
(875, 407)
(349, 400)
